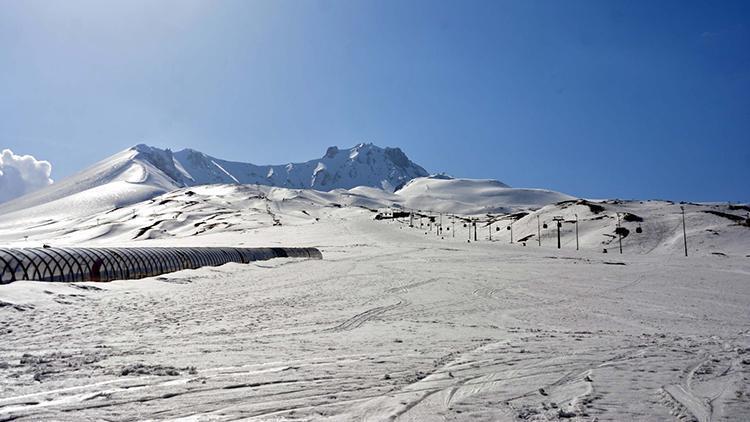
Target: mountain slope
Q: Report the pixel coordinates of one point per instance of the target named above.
(143, 172)
(362, 165)
(473, 196)
(124, 178)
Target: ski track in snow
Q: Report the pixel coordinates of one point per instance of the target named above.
(390, 325)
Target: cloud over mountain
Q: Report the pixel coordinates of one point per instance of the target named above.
(22, 174)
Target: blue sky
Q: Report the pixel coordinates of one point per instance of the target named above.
(629, 99)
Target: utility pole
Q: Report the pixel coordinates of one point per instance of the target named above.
(619, 232)
(684, 234)
(489, 224)
(475, 229)
(453, 222)
(469, 226)
(538, 231)
(576, 231)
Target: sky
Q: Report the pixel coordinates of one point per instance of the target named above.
(598, 99)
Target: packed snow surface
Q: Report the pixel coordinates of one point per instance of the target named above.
(395, 323)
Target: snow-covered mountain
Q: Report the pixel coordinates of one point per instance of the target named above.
(362, 165)
(473, 196)
(142, 172)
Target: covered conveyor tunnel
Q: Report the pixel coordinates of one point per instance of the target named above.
(107, 264)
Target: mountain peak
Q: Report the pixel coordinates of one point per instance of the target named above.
(364, 164)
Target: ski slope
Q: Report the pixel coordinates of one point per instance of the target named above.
(395, 323)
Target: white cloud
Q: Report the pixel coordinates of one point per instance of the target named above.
(21, 174)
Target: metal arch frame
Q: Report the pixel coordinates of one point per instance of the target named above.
(12, 269)
(157, 264)
(39, 262)
(66, 258)
(185, 258)
(152, 266)
(70, 258)
(36, 263)
(73, 258)
(176, 259)
(108, 263)
(161, 260)
(37, 251)
(227, 257)
(85, 260)
(172, 262)
(238, 256)
(62, 262)
(142, 268)
(209, 258)
(201, 260)
(122, 261)
(265, 254)
(19, 261)
(166, 260)
(6, 267)
(212, 257)
(134, 260)
(76, 263)
(152, 261)
(198, 260)
(232, 255)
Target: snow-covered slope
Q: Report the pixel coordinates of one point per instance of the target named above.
(125, 178)
(143, 172)
(366, 172)
(190, 214)
(395, 323)
(473, 196)
(362, 165)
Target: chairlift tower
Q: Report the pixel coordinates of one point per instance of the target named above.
(619, 232)
(538, 231)
(684, 234)
(510, 227)
(558, 221)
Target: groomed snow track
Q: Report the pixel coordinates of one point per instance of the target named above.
(107, 264)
